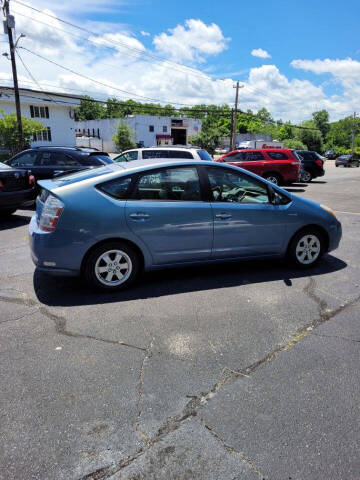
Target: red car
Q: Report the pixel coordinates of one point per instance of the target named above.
(278, 165)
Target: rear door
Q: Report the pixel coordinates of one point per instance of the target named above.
(167, 213)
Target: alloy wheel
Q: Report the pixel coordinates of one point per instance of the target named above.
(113, 268)
(308, 249)
(305, 176)
(273, 179)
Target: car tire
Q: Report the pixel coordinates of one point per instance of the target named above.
(111, 267)
(306, 248)
(7, 212)
(306, 176)
(273, 178)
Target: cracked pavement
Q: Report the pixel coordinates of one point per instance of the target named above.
(236, 371)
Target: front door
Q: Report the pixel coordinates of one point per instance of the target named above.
(167, 212)
(245, 222)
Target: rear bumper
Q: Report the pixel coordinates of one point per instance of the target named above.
(48, 254)
(15, 199)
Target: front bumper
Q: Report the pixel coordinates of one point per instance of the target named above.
(335, 234)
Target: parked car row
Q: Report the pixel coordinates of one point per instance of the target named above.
(279, 166)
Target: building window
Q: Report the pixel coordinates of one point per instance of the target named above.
(151, 128)
(43, 136)
(39, 112)
(164, 129)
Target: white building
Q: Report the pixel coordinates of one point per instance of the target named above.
(148, 131)
(54, 110)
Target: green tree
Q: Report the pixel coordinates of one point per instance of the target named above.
(209, 139)
(321, 119)
(310, 136)
(293, 143)
(265, 116)
(285, 131)
(9, 137)
(122, 137)
(89, 109)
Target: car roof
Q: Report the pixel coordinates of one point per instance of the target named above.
(71, 150)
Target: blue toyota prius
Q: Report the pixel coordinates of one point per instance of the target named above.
(110, 223)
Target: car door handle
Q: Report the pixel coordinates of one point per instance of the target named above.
(139, 216)
(223, 216)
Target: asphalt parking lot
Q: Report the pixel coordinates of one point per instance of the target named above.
(238, 371)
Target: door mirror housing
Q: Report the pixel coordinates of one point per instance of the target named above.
(272, 196)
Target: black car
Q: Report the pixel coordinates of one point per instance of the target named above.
(330, 154)
(347, 161)
(16, 188)
(312, 165)
(46, 162)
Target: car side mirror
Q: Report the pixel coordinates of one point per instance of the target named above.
(272, 196)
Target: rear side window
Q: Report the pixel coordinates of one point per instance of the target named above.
(118, 188)
(204, 155)
(180, 184)
(155, 154)
(253, 156)
(278, 155)
(179, 154)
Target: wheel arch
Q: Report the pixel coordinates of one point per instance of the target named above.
(311, 226)
(131, 244)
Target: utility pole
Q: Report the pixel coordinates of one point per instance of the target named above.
(353, 135)
(9, 24)
(233, 136)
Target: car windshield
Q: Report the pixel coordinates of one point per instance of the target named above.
(344, 156)
(104, 158)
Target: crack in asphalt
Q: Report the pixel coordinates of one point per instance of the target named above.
(227, 375)
(60, 322)
(138, 430)
(336, 336)
(231, 449)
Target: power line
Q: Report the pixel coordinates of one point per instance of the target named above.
(157, 58)
(98, 81)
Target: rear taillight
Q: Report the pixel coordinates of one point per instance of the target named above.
(50, 214)
(1, 184)
(31, 179)
(319, 163)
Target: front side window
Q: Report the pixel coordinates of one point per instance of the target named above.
(25, 160)
(181, 184)
(252, 156)
(204, 155)
(127, 157)
(278, 156)
(234, 187)
(117, 188)
(234, 157)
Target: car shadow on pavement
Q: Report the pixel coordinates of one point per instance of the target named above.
(58, 291)
(13, 221)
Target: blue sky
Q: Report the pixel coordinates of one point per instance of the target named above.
(293, 57)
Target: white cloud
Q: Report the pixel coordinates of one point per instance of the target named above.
(259, 52)
(122, 68)
(120, 41)
(145, 34)
(191, 42)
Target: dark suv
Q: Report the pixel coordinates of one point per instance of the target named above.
(46, 162)
(312, 165)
